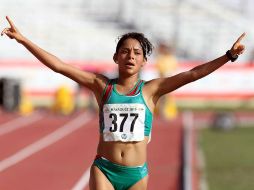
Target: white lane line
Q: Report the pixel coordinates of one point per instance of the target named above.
(203, 183)
(187, 150)
(83, 181)
(18, 123)
(46, 141)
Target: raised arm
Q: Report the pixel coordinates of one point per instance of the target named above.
(95, 82)
(161, 86)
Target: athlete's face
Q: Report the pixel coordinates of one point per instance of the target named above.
(130, 57)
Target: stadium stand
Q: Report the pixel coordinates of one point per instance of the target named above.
(73, 29)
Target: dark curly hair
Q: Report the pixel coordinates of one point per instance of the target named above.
(146, 45)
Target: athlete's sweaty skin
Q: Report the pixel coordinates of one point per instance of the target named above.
(124, 153)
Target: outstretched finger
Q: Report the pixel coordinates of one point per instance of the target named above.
(10, 22)
(241, 37)
(4, 31)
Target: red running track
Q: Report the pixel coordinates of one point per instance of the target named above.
(60, 160)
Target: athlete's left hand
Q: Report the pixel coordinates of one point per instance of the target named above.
(238, 48)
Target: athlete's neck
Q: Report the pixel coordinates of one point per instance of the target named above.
(128, 81)
(124, 85)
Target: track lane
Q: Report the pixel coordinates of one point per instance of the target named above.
(165, 155)
(18, 123)
(58, 166)
(21, 137)
(7, 116)
(61, 165)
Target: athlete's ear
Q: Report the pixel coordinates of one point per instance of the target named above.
(144, 62)
(115, 58)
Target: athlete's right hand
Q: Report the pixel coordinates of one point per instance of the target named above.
(12, 32)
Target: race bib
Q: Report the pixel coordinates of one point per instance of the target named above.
(123, 122)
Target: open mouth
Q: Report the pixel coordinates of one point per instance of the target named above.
(130, 64)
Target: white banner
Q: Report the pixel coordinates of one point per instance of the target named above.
(230, 81)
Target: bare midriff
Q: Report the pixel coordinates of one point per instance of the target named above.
(123, 153)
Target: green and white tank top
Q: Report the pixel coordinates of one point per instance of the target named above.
(124, 117)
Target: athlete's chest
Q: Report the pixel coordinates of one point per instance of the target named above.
(124, 122)
(116, 98)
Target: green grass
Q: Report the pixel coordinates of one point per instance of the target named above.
(229, 158)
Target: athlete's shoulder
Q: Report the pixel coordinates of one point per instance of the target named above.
(148, 82)
(150, 86)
